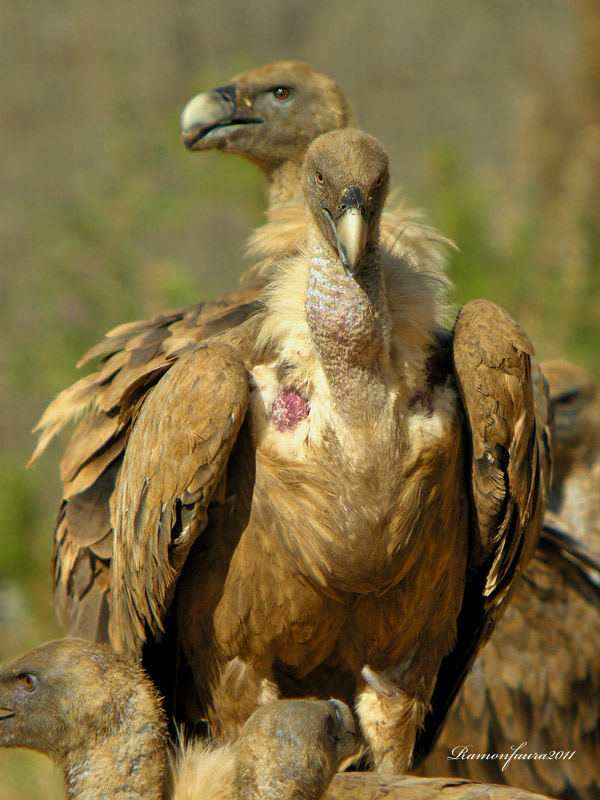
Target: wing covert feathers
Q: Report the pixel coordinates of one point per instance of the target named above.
(492, 365)
(175, 458)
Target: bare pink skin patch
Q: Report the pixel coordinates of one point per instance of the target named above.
(422, 403)
(289, 409)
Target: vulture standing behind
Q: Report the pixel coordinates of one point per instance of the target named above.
(575, 495)
(538, 678)
(329, 483)
(268, 115)
(111, 742)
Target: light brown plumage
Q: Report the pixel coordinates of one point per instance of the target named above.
(538, 678)
(323, 562)
(274, 134)
(99, 718)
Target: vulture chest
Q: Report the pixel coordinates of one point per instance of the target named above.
(352, 544)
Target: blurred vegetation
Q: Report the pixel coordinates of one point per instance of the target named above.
(106, 219)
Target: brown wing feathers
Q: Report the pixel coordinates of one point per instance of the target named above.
(492, 368)
(175, 458)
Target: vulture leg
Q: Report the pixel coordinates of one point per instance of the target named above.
(390, 718)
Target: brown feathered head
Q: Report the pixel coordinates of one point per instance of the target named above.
(69, 694)
(345, 181)
(292, 748)
(575, 400)
(268, 115)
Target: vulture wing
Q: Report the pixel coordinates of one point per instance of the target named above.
(509, 472)
(93, 458)
(175, 459)
(536, 681)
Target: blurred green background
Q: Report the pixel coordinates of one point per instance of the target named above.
(490, 113)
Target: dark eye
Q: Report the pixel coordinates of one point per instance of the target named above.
(319, 177)
(28, 682)
(570, 403)
(282, 92)
(379, 181)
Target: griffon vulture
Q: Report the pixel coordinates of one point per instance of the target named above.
(538, 678)
(111, 741)
(268, 115)
(338, 495)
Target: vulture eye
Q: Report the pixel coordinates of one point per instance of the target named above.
(28, 682)
(319, 177)
(379, 181)
(570, 402)
(282, 93)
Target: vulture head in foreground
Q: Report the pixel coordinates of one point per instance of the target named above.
(268, 115)
(333, 498)
(95, 714)
(99, 718)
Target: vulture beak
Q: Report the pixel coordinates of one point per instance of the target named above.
(5, 713)
(205, 117)
(350, 228)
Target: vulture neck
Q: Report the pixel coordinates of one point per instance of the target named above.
(349, 326)
(128, 763)
(283, 181)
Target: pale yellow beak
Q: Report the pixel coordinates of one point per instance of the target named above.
(351, 235)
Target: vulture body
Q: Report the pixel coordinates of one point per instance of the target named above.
(306, 490)
(247, 118)
(100, 719)
(538, 678)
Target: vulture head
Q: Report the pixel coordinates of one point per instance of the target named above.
(575, 403)
(78, 702)
(345, 181)
(293, 743)
(268, 115)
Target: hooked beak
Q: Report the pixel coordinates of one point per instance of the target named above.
(350, 229)
(210, 117)
(5, 713)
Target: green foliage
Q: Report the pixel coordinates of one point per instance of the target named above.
(533, 252)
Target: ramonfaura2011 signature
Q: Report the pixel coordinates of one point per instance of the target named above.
(465, 752)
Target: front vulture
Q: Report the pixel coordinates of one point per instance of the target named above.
(313, 498)
(268, 115)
